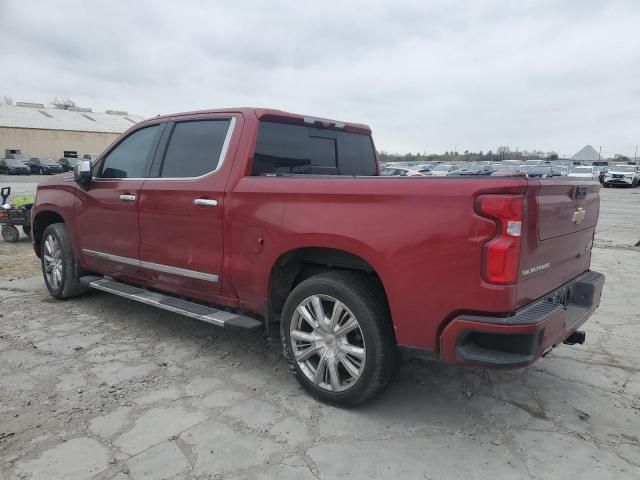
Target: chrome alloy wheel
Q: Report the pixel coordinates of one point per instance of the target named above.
(53, 262)
(327, 343)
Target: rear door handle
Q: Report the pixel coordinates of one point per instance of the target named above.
(205, 202)
(128, 198)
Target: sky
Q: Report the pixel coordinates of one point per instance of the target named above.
(426, 76)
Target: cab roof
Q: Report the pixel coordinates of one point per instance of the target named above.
(278, 115)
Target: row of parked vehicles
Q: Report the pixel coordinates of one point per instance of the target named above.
(17, 163)
(627, 174)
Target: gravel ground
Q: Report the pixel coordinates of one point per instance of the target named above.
(100, 387)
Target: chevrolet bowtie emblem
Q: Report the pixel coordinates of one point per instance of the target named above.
(578, 216)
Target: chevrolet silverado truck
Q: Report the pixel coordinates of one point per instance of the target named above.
(254, 218)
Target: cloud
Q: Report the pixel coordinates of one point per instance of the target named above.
(427, 76)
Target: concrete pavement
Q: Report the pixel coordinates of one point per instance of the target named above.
(99, 387)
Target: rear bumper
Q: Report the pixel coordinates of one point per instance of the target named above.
(521, 338)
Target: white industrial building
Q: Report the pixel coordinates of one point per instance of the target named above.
(49, 132)
(587, 154)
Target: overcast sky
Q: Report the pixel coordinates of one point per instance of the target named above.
(426, 76)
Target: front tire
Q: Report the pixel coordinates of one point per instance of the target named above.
(338, 337)
(60, 266)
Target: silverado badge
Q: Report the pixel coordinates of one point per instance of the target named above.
(578, 216)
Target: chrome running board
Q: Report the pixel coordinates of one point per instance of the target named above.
(187, 308)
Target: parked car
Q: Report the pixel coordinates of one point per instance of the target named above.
(583, 172)
(622, 175)
(508, 171)
(17, 156)
(443, 169)
(89, 156)
(44, 166)
(537, 171)
(533, 163)
(12, 166)
(264, 220)
(400, 172)
(68, 163)
(475, 169)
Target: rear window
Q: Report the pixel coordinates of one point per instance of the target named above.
(297, 149)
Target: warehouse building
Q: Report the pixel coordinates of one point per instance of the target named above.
(50, 132)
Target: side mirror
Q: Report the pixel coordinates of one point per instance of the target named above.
(82, 173)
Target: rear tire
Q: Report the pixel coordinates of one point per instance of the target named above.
(10, 233)
(350, 354)
(60, 266)
(27, 230)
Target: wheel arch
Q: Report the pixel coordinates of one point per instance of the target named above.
(40, 222)
(298, 264)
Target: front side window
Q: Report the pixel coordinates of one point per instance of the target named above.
(296, 149)
(131, 157)
(195, 148)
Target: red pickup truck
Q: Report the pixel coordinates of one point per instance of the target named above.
(246, 218)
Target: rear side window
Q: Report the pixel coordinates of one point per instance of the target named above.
(297, 149)
(131, 157)
(195, 148)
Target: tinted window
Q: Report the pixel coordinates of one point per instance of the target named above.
(131, 157)
(194, 148)
(284, 148)
(356, 155)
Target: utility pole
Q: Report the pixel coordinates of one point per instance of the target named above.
(635, 156)
(600, 153)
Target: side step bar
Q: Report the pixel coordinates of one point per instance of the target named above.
(172, 304)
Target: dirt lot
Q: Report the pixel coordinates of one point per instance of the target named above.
(99, 387)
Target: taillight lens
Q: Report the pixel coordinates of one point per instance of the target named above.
(502, 253)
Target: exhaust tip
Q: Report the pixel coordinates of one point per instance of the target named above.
(576, 337)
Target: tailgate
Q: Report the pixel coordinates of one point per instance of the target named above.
(561, 220)
(566, 207)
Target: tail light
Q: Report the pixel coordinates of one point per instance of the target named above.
(502, 252)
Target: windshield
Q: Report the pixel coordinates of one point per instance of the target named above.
(536, 169)
(46, 161)
(507, 169)
(442, 168)
(624, 168)
(14, 163)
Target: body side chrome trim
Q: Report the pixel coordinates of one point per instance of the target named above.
(183, 272)
(113, 258)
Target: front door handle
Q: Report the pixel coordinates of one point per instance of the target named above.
(205, 202)
(128, 198)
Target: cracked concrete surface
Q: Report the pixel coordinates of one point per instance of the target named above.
(99, 387)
